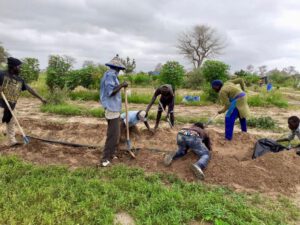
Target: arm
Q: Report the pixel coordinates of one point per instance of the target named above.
(224, 100)
(31, 91)
(152, 101)
(147, 125)
(239, 81)
(118, 88)
(289, 138)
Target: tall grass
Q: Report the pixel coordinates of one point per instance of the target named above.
(266, 99)
(32, 194)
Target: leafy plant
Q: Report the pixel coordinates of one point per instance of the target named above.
(262, 122)
(30, 69)
(172, 73)
(57, 70)
(129, 64)
(194, 79)
(215, 70)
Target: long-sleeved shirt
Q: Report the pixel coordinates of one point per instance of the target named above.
(109, 82)
(230, 91)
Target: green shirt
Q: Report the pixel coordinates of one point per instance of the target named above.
(230, 91)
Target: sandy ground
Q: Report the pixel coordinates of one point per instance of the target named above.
(231, 164)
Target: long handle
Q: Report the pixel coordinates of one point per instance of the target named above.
(211, 119)
(14, 116)
(126, 109)
(159, 102)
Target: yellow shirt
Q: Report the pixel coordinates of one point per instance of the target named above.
(230, 91)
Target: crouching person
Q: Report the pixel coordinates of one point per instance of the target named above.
(196, 139)
(134, 117)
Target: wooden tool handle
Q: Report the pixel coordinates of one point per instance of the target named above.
(126, 109)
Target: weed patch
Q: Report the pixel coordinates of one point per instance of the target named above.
(91, 196)
(262, 122)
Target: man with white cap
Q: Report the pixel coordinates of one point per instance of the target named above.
(110, 97)
(134, 117)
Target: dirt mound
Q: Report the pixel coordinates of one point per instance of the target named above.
(231, 162)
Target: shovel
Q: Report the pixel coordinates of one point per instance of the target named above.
(211, 120)
(168, 119)
(127, 128)
(25, 138)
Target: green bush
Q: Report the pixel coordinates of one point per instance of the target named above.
(141, 79)
(57, 70)
(84, 95)
(57, 96)
(262, 122)
(172, 73)
(249, 78)
(82, 77)
(194, 79)
(30, 69)
(215, 70)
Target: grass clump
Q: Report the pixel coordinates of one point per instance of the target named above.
(266, 99)
(84, 95)
(262, 122)
(91, 196)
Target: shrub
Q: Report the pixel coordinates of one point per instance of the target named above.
(142, 79)
(213, 69)
(82, 77)
(57, 70)
(172, 73)
(30, 69)
(262, 122)
(194, 79)
(57, 96)
(249, 78)
(209, 93)
(265, 98)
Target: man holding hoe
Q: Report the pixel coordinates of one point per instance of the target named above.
(235, 103)
(167, 98)
(110, 97)
(11, 85)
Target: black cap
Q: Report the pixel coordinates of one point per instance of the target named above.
(13, 62)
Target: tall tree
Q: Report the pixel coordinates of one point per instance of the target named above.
(200, 43)
(30, 69)
(262, 70)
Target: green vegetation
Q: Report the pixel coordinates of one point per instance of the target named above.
(262, 122)
(265, 99)
(172, 73)
(215, 70)
(33, 194)
(30, 69)
(72, 110)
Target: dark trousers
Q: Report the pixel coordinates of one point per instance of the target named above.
(229, 123)
(196, 145)
(112, 139)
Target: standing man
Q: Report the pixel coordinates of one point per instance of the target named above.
(235, 103)
(111, 100)
(197, 139)
(167, 98)
(11, 84)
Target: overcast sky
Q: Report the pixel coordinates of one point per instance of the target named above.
(258, 32)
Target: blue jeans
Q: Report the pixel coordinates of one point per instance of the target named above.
(196, 145)
(229, 123)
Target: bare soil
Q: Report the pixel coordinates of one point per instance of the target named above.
(231, 164)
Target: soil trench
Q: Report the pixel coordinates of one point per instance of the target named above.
(231, 164)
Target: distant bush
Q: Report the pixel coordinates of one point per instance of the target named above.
(141, 79)
(262, 122)
(249, 78)
(194, 79)
(85, 95)
(82, 77)
(213, 69)
(172, 73)
(30, 69)
(57, 96)
(57, 70)
(264, 99)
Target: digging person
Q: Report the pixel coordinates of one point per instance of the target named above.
(134, 117)
(110, 97)
(11, 84)
(294, 126)
(167, 98)
(196, 139)
(235, 103)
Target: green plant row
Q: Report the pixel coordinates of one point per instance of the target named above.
(33, 194)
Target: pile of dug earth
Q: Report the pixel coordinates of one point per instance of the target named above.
(231, 164)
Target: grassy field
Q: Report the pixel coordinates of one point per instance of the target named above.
(33, 194)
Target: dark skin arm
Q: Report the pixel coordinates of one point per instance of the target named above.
(31, 91)
(147, 125)
(282, 140)
(119, 87)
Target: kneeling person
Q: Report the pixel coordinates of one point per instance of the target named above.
(134, 117)
(196, 139)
